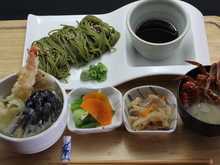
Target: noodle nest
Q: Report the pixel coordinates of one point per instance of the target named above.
(75, 45)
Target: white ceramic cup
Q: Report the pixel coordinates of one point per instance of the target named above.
(170, 10)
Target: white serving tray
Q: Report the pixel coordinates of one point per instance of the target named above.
(125, 63)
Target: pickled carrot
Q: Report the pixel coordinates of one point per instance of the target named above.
(100, 96)
(98, 109)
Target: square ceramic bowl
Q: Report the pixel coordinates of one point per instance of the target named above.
(143, 92)
(116, 100)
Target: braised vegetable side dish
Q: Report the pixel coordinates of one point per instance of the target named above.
(75, 45)
(150, 114)
(34, 103)
(92, 110)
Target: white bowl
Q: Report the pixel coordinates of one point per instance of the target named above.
(143, 92)
(42, 141)
(170, 10)
(115, 98)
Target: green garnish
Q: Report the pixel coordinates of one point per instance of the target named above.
(95, 72)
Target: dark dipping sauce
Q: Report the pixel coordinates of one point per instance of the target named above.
(157, 31)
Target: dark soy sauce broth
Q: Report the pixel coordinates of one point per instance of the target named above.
(157, 31)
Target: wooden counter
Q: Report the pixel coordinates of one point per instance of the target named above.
(117, 144)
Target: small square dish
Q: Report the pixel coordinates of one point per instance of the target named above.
(143, 92)
(115, 98)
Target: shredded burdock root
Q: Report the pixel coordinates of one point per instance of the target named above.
(158, 116)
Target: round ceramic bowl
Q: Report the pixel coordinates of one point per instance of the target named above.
(191, 122)
(41, 141)
(115, 98)
(143, 92)
(169, 10)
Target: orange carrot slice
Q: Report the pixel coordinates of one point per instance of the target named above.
(150, 107)
(98, 95)
(99, 110)
(147, 110)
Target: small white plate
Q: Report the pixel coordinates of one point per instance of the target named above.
(143, 92)
(125, 63)
(115, 98)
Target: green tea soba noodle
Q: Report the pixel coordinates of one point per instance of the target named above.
(102, 35)
(75, 45)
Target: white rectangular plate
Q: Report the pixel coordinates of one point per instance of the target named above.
(125, 63)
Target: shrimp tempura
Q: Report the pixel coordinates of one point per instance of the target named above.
(23, 87)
